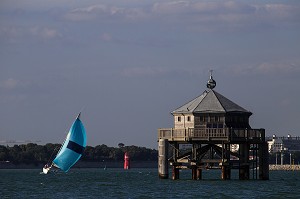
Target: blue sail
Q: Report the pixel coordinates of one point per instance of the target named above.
(72, 148)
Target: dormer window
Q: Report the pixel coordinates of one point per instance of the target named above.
(179, 119)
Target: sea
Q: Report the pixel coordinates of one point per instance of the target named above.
(142, 183)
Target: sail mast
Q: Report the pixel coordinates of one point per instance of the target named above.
(71, 149)
(78, 117)
(73, 146)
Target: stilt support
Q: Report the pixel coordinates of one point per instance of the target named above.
(263, 161)
(175, 173)
(244, 172)
(196, 173)
(226, 172)
(163, 167)
(199, 174)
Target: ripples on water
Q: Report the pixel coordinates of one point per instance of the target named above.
(142, 183)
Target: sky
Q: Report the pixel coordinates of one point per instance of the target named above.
(126, 64)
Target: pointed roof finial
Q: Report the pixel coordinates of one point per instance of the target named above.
(211, 83)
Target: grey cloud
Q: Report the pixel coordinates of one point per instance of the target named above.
(45, 32)
(230, 15)
(10, 33)
(9, 84)
(14, 34)
(101, 11)
(283, 67)
(203, 7)
(268, 68)
(171, 7)
(202, 16)
(13, 90)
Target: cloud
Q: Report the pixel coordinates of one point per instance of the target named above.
(283, 67)
(10, 90)
(197, 8)
(195, 15)
(264, 68)
(104, 12)
(9, 84)
(10, 33)
(227, 15)
(173, 7)
(86, 13)
(106, 37)
(190, 14)
(268, 68)
(14, 34)
(45, 32)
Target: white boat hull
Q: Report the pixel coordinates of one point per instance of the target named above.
(46, 170)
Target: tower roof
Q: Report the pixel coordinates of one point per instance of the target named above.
(210, 102)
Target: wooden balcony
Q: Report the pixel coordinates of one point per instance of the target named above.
(212, 134)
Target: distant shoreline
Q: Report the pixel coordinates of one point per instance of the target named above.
(119, 164)
(82, 164)
(286, 167)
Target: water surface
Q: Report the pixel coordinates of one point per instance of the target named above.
(142, 183)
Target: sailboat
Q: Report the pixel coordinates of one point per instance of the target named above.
(72, 148)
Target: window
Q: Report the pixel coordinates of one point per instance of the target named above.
(217, 119)
(179, 119)
(202, 119)
(189, 118)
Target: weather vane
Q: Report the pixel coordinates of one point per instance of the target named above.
(211, 83)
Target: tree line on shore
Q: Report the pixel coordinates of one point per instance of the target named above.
(35, 154)
(32, 153)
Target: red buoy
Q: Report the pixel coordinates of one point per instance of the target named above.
(126, 161)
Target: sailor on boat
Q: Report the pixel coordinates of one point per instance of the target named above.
(46, 168)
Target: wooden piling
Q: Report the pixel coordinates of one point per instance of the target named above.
(199, 174)
(163, 167)
(263, 161)
(196, 173)
(225, 165)
(226, 172)
(175, 172)
(244, 172)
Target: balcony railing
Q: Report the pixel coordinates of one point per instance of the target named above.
(222, 134)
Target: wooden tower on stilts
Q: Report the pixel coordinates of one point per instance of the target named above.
(219, 136)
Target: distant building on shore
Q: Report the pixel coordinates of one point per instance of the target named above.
(283, 144)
